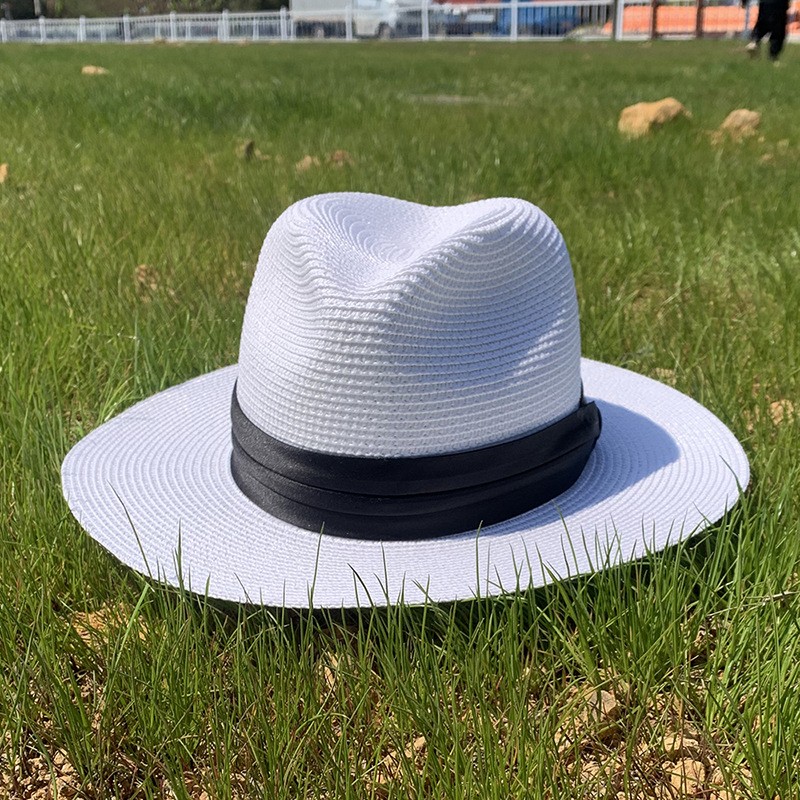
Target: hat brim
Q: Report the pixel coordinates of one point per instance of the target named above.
(153, 486)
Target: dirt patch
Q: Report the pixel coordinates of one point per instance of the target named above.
(91, 69)
(98, 625)
(3, 173)
(341, 158)
(306, 163)
(643, 118)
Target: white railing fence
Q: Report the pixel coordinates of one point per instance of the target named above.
(512, 20)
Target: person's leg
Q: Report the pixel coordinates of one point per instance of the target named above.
(777, 28)
(758, 33)
(762, 27)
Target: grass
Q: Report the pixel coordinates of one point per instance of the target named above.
(129, 230)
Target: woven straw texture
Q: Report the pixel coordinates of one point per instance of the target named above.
(379, 327)
(158, 476)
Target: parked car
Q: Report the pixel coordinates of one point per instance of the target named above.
(457, 20)
(539, 20)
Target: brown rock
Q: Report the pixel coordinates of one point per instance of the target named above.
(741, 123)
(665, 375)
(687, 776)
(3, 173)
(642, 118)
(90, 69)
(341, 158)
(600, 714)
(602, 706)
(306, 163)
(676, 745)
(591, 773)
(390, 765)
(146, 278)
(65, 788)
(781, 411)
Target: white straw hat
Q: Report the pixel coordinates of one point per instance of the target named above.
(410, 419)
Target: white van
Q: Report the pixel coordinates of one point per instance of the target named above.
(326, 18)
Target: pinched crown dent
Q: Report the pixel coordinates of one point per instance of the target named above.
(380, 327)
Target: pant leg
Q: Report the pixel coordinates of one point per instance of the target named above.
(762, 26)
(777, 32)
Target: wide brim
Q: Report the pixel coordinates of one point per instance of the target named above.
(153, 486)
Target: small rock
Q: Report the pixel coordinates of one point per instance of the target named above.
(590, 772)
(665, 375)
(341, 158)
(688, 776)
(717, 778)
(642, 118)
(416, 747)
(91, 69)
(781, 411)
(146, 278)
(741, 123)
(64, 788)
(306, 163)
(3, 173)
(601, 713)
(676, 745)
(602, 706)
(389, 767)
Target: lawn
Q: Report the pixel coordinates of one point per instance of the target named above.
(129, 231)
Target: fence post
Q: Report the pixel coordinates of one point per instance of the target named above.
(42, 31)
(348, 22)
(746, 30)
(284, 20)
(698, 22)
(425, 32)
(618, 24)
(654, 19)
(173, 26)
(81, 29)
(225, 25)
(3, 31)
(514, 29)
(126, 28)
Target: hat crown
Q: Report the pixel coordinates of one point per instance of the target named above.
(383, 328)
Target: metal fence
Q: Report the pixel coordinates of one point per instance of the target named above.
(512, 20)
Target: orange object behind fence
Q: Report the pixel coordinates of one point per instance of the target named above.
(662, 19)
